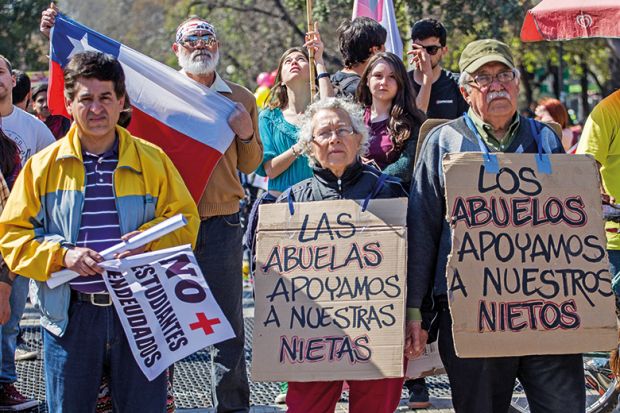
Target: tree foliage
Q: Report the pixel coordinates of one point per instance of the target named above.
(254, 34)
(139, 24)
(20, 40)
(584, 61)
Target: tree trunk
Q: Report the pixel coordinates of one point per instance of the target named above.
(583, 81)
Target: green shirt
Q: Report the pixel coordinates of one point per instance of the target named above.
(486, 132)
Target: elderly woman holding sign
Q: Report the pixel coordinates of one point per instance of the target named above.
(334, 137)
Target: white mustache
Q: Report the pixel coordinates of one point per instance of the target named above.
(200, 53)
(497, 95)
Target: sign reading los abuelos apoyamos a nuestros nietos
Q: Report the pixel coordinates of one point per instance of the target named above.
(528, 271)
(330, 291)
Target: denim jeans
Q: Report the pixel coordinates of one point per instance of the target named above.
(19, 293)
(93, 344)
(219, 253)
(614, 269)
(552, 383)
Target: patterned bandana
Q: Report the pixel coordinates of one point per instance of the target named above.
(194, 26)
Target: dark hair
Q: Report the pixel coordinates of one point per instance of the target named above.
(8, 155)
(429, 27)
(94, 65)
(405, 117)
(278, 97)
(124, 118)
(8, 63)
(22, 86)
(356, 37)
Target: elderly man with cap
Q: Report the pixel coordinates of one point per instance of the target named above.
(219, 249)
(489, 83)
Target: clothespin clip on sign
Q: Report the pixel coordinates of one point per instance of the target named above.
(543, 162)
(491, 164)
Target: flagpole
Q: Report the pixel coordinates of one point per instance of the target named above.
(311, 52)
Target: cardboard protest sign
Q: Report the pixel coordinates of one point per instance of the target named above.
(330, 291)
(528, 271)
(428, 364)
(165, 306)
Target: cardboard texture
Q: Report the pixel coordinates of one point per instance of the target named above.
(428, 364)
(528, 272)
(330, 291)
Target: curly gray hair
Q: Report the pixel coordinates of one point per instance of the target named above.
(356, 115)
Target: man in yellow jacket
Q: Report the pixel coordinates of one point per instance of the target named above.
(88, 191)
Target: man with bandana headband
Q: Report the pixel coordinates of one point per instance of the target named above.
(219, 248)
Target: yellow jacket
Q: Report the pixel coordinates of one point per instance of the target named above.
(43, 212)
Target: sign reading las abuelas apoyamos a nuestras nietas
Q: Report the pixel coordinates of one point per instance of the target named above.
(330, 291)
(528, 271)
(165, 306)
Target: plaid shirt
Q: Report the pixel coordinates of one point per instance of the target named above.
(4, 192)
(4, 195)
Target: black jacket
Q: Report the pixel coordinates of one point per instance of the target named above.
(358, 182)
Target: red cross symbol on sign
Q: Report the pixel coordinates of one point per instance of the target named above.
(204, 323)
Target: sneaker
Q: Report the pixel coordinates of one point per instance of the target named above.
(281, 398)
(418, 397)
(22, 352)
(12, 400)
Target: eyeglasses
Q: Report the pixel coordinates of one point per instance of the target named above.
(502, 77)
(431, 50)
(192, 41)
(340, 132)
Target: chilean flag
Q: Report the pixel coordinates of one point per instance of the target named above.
(186, 119)
(383, 12)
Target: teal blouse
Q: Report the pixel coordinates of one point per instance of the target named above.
(278, 135)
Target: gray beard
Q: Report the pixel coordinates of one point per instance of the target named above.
(200, 66)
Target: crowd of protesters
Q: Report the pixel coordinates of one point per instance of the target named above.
(357, 138)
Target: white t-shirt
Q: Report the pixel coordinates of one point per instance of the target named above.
(29, 133)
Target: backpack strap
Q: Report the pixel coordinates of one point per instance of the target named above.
(341, 85)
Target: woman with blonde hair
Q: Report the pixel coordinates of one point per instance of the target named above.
(283, 162)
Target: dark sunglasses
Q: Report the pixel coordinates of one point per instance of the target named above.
(431, 50)
(192, 41)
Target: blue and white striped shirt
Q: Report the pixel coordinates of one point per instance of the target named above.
(100, 228)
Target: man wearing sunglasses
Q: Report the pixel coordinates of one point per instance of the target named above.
(219, 248)
(490, 84)
(437, 88)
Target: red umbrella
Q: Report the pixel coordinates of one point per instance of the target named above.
(571, 19)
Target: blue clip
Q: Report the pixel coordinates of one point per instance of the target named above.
(542, 159)
(491, 164)
(543, 163)
(365, 203)
(291, 207)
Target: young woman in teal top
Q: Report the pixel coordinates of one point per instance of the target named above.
(279, 140)
(283, 162)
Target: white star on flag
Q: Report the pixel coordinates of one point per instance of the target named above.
(79, 46)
